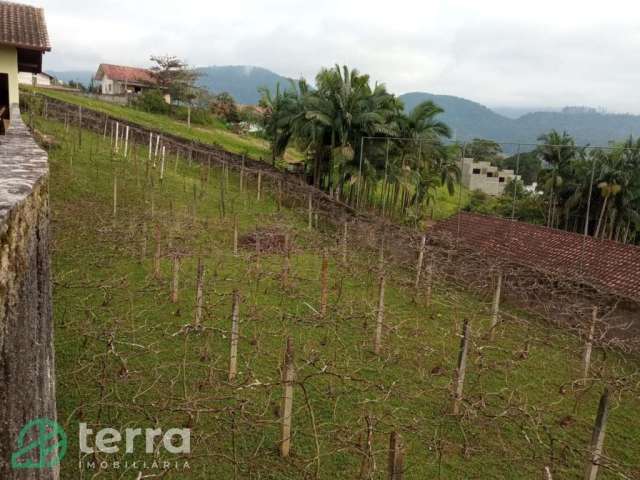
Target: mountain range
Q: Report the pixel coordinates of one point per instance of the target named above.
(467, 119)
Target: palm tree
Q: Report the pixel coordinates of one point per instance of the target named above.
(557, 150)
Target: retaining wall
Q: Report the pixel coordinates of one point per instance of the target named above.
(27, 375)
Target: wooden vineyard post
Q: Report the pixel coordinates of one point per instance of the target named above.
(377, 341)
(143, 249)
(259, 185)
(175, 270)
(117, 137)
(235, 325)
(162, 164)
(235, 236)
(396, 456)
(242, 174)
(547, 473)
(310, 213)
(126, 142)
(150, 145)
(286, 263)
(429, 280)
(155, 153)
(423, 242)
(381, 257)
(462, 367)
(597, 437)
(586, 358)
(115, 196)
(344, 242)
(199, 292)
(495, 306)
(156, 257)
(324, 283)
(368, 466)
(288, 377)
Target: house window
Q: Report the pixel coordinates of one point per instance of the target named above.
(476, 171)
(501, 179)
(489, 174)
(109, 87)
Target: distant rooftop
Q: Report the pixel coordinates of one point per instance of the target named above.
(610, 266)
(23, 26)
(121, 73)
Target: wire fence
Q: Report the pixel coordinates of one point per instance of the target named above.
(492, 256)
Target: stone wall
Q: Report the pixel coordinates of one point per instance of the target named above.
(27, 376)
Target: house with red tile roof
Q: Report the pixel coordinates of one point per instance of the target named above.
(122, 80)
(23, 41)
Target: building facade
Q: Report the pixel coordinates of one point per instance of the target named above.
(121, 80)
(23, 41)
(485, 177)
(37, 79)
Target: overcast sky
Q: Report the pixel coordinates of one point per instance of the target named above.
(500, 53)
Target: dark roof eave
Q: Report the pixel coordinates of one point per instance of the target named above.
(28, 47)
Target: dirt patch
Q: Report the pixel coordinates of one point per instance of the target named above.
(265, 240)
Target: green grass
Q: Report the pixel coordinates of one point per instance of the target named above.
(217, 134)
(124, 359)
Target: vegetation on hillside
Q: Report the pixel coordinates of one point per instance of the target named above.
(597, 189)
(215, 132)
(128, 355)
(340, 125)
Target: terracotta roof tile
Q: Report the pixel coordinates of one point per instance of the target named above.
(23, 26)
(125, 74)
(612, 266)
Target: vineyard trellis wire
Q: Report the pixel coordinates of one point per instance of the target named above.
(568, 301)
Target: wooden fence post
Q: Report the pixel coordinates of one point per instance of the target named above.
(199, 292)
(115, 196)
(286, 263)
(344, 242)
(126, 142)
(174, 277)
(235, 236)
(235, 325)
(377, 341)
(324, 283)
(368, 466)
(429, 279)
(495, 306)
(423, 242)
(143, 249)
(288, 377)
(396, 456)
(310, 213)
(259, 185)
(597, 437)
(162, 164)
(586, 358)
(156, 257)
(117, 137)
(462, 367)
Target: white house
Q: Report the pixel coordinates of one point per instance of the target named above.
(41, 79)
(485, 177)
(121, 80)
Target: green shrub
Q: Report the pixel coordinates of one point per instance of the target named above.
(152, 101)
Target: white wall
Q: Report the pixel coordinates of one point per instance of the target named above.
(26, 78)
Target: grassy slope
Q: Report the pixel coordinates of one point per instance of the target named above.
(214, 134)
(122, 362)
